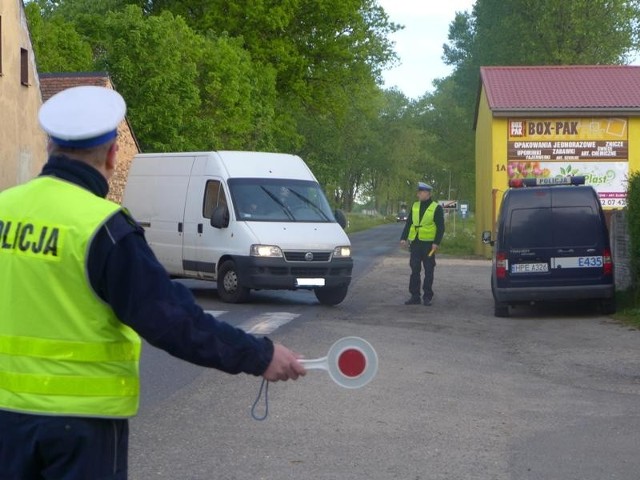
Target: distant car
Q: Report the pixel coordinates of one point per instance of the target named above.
(401, 217)
(552, 244)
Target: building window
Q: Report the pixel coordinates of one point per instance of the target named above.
(24, 67)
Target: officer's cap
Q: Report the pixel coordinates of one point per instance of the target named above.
(83, 117)
(424, 187)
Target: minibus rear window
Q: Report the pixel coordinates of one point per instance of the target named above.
(530, 227)
(575, 227)
(567, 227)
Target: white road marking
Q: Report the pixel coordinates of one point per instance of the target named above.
(267, 323)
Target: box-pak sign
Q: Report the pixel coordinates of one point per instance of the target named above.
(550, 128)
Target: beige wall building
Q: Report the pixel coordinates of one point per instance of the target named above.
(52, 83)
(22, 142)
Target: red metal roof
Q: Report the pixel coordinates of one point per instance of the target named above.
(52, 83)
(552, 88)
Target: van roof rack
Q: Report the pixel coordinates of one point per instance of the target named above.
(547, 182)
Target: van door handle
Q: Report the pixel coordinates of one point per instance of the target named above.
(570, 250)
(200, 227)
(179, 227)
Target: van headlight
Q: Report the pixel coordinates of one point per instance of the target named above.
(342, 252)
(266, 251)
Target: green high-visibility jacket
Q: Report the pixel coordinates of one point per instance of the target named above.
(423, 228)
(63, 351)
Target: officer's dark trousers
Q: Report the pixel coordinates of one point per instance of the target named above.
(420, 258)
(35, 447)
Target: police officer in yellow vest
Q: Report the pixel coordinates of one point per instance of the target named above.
(424, 231)
(78, 284)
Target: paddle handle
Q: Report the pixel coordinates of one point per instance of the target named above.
(315, 363)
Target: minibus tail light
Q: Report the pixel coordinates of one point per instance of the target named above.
(502, 264)
(607, 262)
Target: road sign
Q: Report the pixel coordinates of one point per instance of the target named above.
(351, 362)
(449, 204)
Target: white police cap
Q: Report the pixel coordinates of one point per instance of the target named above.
(83, 117)
(424, 186)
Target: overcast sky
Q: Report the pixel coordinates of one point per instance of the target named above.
(419, 44)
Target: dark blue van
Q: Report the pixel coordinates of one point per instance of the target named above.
(552, 244)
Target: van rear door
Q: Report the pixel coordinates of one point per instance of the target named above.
(579, 236)
(527, 237)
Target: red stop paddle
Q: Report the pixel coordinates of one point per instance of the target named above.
(351, 362)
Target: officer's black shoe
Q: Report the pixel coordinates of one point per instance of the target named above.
(413, 301)
(427, 302)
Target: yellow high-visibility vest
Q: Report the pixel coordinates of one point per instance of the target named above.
(423, 228)
(63, 351)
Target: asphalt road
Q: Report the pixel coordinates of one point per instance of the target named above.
(546, 394)
(163, 375)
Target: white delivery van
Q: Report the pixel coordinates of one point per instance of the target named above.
(247, 220)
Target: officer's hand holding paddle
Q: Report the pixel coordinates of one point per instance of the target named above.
(285, 365)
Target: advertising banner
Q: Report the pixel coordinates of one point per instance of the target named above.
(597, 148)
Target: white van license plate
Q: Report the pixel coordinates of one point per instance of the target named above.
(309, 282)
(529, 267)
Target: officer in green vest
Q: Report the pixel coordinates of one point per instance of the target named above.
(424, 231)
(78, 285)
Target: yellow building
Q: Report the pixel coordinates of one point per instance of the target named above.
(22, 141)
(555, 121)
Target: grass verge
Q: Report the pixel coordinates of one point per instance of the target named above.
(628, 307)
(358, 222)
(459, 237)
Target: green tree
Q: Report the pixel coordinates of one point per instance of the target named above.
(238, 97)
(313, 46)
(400, 158)
(340, 143)
(153, 62)
(450, 127)
(58, 46)
(518, 32)
(185, 91)
(633, 220)
(296, 75)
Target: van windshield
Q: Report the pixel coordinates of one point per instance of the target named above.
(279, 200)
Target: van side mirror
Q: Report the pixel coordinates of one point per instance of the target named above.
(486, 237)
(220, 217)
(341, 218)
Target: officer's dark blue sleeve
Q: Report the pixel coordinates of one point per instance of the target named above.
(407, 226)
(125, 273)
(438, 219)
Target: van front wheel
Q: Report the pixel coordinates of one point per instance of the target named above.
(331, 295)
(229, 288)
